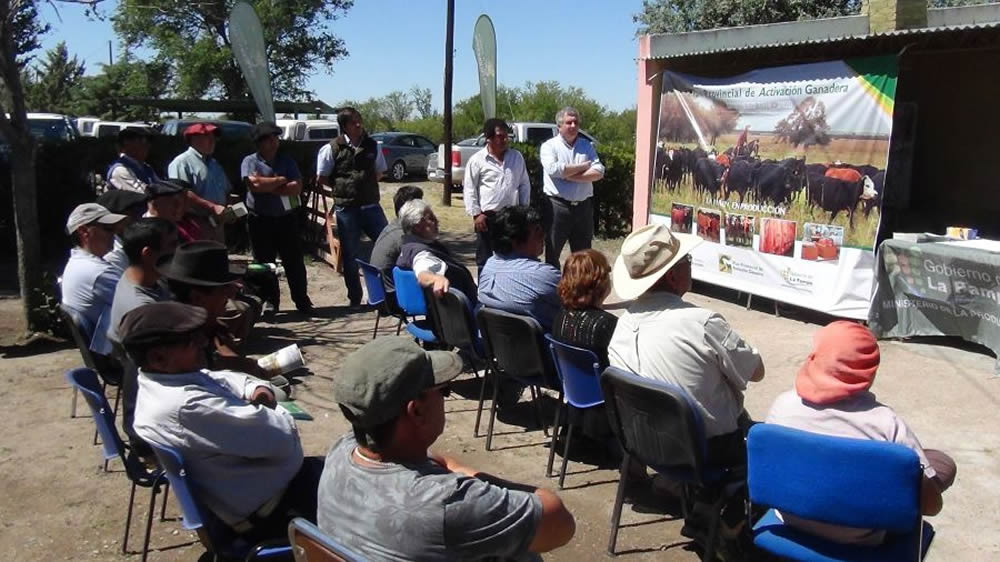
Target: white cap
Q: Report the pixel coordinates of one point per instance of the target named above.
(89, 213)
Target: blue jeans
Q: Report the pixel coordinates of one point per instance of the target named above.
(351, 222)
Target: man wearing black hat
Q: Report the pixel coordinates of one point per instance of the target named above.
(132, 204)
(167, 200)
(385, 496)
(273, 186)
(241, 451)
(129, 171)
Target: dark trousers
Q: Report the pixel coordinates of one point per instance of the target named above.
(564, 220)
(299, 500)
(484, 242)
(351, 222)
(271, 237)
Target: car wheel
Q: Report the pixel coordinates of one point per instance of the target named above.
(398, 170)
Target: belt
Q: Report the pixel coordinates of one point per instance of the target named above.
(262, 512)
(567, 201)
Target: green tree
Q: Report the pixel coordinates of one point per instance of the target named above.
(396, 106)
(421, 98)
(193, 38)
(51, 85)
(671, 16)
(101, 95)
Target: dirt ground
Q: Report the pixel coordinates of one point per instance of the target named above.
(59, 505)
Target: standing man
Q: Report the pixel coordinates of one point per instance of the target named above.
(351, 166)
(570, 166)
(495, 177)
(130, 171)
(209, 186)
(273, 186)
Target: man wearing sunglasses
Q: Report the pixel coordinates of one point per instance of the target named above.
(386, 495)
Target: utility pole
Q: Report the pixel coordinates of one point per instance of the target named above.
(110, 61)
(449, 47)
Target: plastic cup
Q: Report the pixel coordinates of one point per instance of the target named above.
(283, 361)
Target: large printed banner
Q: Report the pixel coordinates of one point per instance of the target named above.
(782, 171)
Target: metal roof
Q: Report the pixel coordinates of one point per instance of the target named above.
(228, 106)
(813, 32)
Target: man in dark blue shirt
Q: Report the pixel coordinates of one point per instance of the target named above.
(273, 187)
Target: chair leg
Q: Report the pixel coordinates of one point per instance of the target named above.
(163, 508)
(118, 396)
(399, 326)
(482, 397)
(552, 445)
(713, 529)
(72, 405)
(616, 515)
(128, 519)
(149, 521)
(378, 316)
(569, 437)
(493, 410)
(536, 395)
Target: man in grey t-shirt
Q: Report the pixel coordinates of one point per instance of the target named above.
(385, 496)
(143, 242)
(387, 246)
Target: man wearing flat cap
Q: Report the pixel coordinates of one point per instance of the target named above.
(241, 451)
(273, 186)
(132, 204)
(664, 338)
(88, 282)
(210, 187)
(129, 171)
(384, 495)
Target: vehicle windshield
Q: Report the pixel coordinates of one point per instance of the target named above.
(50, 129)
(324, 134)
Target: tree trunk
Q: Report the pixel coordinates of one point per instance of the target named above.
(29, 251)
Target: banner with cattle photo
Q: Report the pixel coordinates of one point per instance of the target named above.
(782, 171)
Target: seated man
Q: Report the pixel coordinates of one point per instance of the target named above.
(166, 201)
(384, 495)
(832, 397)
(432, 261)
(513, 279)
(386, 250)
(88, 282)
(241, 451)
(122, 202)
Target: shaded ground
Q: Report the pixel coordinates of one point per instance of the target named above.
(58, 505)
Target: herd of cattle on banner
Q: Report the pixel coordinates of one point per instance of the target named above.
(834, 187)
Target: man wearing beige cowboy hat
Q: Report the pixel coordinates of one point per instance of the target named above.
(664, 338)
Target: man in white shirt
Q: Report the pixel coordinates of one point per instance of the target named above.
(495, 177)
(569, 167)
(240, 449)
(88, 282)
(433, 263)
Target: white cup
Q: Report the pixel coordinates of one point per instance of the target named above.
(285, 360)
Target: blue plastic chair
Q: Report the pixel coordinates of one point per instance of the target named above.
(85, 381)
(852, 482)
(410, 297)
(214, 534)
(309, 544)
(660, 426)
(579, 371)
(80, 329)
(378, 297)
(515, 348)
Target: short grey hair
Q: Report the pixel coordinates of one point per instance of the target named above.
(568, 110)
(411, 213)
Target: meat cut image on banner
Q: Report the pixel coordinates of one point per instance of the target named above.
(800, 152)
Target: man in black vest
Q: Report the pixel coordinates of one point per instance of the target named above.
(130, 171)
(351, 166)
(427, 256)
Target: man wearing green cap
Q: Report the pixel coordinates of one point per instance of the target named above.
(386, 496)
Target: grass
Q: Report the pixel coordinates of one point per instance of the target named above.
(861, 236)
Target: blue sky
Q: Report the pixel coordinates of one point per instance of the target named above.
(396, 44)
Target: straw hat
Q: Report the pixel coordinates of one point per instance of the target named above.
(646, 255)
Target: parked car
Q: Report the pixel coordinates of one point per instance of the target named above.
(230, 129)
(308, 130)
(85, 125)
(46, 127)
(111, 128)
(531, 133)
(404, 153)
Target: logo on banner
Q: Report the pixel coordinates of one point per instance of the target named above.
(797, 279)
(725, 263)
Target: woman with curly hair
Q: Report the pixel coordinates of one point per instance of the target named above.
(586, 282)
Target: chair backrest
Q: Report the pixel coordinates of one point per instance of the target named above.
(80, 332)
(655, 422)
(853, 482)
(516, 345)
(86, 381)
(309, 544)
(454, 321)
(373, 282)
(173, 464)
(579, 370)
(409, 295)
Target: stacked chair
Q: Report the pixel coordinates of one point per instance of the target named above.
(379, 297)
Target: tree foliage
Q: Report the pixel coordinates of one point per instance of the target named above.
(421, 99)
(100, 95)
(192, 39)
(805, 125)
(713, 118)
(671, 16)
(52, 84)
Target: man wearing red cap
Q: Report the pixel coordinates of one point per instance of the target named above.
(209, 186)
(832, 397)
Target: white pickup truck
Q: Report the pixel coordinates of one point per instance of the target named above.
(533, 133)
